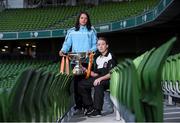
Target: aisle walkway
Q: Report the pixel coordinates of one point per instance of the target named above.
(171, 114)
(111, 118)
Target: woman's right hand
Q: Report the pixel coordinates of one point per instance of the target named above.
(61, 53)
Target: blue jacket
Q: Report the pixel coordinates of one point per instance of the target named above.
(81, 40)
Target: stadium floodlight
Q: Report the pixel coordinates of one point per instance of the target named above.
(18, 47)
(22, 52)
(6, 46)
(34, 46)
(3, 50)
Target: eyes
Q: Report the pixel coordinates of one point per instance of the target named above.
(83, 18)
(101, 44)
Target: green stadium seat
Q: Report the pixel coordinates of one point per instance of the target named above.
(152, 83)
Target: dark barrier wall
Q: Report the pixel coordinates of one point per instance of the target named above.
(124, 43)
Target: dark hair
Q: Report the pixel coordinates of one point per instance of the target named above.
(104, 39)
(88, 25)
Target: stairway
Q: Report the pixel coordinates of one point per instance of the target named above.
(171, 113)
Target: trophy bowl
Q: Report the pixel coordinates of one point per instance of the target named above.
(77, 59)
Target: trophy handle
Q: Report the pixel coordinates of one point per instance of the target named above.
(88, 72)
(62, 64)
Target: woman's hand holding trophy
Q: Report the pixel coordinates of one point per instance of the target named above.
(78, 58)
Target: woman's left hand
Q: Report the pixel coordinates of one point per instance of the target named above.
(97, 82)
(87, 53)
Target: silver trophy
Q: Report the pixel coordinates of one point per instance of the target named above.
(78, 58)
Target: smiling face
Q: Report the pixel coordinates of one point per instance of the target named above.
(83, 19)
(102, 46)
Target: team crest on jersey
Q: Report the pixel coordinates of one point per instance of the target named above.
(105, 65)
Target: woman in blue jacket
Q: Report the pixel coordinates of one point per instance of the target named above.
(81, 38)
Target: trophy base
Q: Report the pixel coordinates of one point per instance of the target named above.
(78, 72)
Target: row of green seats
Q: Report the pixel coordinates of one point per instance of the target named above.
(124, 91)
(112, 11)
(148, 84)
(170, 76)
(38, 95)
(10, 68)
(30, 19)
(57, 17)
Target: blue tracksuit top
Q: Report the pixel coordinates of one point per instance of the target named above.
(81, 40)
